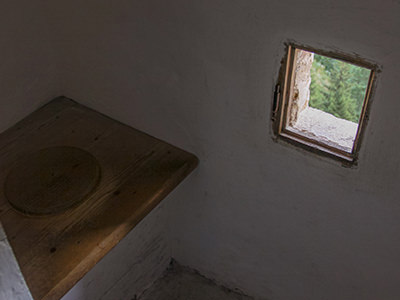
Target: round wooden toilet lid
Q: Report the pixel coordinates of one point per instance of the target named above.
(51, 180)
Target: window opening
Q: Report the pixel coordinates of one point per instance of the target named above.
(321, 102)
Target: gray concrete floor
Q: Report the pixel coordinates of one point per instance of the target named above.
(181, 283)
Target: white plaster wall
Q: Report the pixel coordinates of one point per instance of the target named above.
(132, 266)
(29, 61)
(124, 273)
(32, 37)
(12, 284)
(273, 221)
(29, 77)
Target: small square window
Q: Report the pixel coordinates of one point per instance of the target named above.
(321, 102)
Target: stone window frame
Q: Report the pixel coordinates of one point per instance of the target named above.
(280, 113)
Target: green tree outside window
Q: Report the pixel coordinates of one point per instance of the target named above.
(338, 87)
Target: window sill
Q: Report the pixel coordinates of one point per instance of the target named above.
(326, 128)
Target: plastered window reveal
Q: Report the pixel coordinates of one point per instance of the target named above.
(323, 102)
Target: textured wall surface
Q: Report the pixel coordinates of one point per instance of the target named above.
(132, 266)
(124, 273)
(12, 284)
(29, 77)
(274, 221)
(29, 69)
(301, 85)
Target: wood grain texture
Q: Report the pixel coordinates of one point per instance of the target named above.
(133, 265)
(138, 171)
(51, 180)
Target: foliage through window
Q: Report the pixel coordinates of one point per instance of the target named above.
(321, 101)
(338, 87)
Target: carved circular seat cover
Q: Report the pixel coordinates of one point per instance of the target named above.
(51, 180)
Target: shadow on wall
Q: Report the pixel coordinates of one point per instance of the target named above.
(132, 266)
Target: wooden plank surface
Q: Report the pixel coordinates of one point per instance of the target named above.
(137, 172)
(51, 180)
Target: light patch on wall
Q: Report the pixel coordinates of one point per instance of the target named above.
(321, 101)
